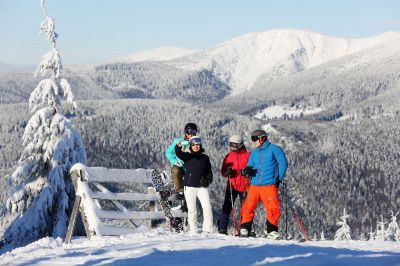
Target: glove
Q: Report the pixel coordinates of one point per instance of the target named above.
(228, 171)
(177, 163)
(277, 183)
(248, 171)
(185, 143)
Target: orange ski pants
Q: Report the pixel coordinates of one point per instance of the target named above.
(268, 196)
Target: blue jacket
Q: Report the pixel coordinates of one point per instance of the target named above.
(270, 162)
(170, 153)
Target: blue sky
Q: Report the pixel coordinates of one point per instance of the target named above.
(96, 30)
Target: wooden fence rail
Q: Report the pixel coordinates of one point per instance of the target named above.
(87, 201)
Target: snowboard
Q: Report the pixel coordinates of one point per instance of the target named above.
(163, 192)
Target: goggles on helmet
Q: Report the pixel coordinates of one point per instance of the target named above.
(195, 141)
(190, 131)
(255, 138)
(235, 146)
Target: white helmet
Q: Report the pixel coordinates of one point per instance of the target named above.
(236, 142)
(236, 139)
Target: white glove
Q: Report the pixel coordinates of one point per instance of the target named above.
(185, 143)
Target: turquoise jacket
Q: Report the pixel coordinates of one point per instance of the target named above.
(170, 153)
(270, 164)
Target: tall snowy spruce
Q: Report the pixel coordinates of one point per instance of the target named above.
(41, 202)
(343, 233)
(393, 230)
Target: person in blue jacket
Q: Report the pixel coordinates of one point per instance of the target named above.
(177, 169)
(266, 168)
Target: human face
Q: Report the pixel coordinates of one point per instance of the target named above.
(196, 147)
(190, 133)
(258, 141)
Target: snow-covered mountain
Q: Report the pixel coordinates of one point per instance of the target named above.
(156, 54)
(252, 61)
(240, 61)
(7, 68)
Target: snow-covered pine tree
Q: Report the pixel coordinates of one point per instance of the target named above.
(393, 230)
(343, 233)
(362, 237)
(323, 236)
(371, 235)
(380, 230)
(40, 204)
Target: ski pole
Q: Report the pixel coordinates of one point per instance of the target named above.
(233, 209)
(241, 209)
(286, 213)
(296, 217)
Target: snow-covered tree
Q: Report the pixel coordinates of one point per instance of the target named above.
(380, 230)
(362, 237)
(323, 236)
(371, 235)
(393, 230)
(343, 233)
(39, 206)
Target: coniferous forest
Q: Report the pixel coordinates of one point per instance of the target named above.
(333, 165)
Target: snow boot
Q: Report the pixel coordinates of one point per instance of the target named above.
(274, 235)
(223, 231)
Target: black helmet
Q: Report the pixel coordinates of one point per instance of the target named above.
(191, 128)
(258, 134)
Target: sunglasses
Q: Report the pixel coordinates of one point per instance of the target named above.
(255, 138)
(190, 131)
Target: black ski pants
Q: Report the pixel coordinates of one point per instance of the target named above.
(227, 207)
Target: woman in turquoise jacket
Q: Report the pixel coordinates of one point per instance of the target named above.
(176, 163)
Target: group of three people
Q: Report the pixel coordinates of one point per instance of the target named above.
(252, 176)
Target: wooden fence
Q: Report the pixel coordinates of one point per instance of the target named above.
(89, 192)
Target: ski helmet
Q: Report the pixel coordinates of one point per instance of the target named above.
(257, 134)
(194, 140)
(190, 128)
(236, 139)
(235, 142)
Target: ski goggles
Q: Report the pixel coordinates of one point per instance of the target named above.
(235, 145)
(195, 141)
(255, 138)
(190, 131)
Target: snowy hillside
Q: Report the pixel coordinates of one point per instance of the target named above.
(251, 61)
(157, 54)
(162, 248)
(241, 60)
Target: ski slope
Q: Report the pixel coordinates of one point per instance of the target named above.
(159, 247)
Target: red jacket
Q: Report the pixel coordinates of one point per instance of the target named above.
(236, 160)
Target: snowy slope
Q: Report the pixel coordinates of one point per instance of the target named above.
(241, 60)
(160, 248)
(157, 54)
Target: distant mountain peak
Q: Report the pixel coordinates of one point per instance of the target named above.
(240, 61)
(156, 54)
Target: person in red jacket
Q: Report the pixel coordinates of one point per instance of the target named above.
(234, 161)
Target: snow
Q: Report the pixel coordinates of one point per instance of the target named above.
(279, 111)
(159, 247)
(156, 54)
(277, 53)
